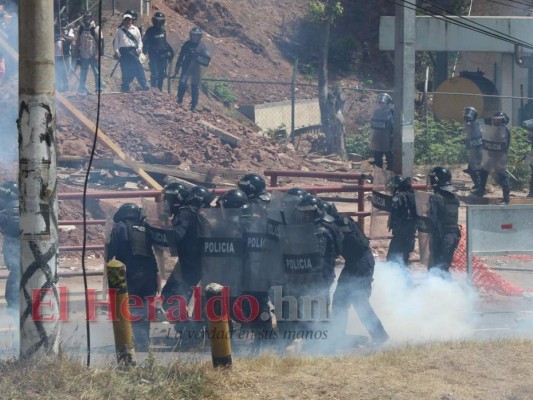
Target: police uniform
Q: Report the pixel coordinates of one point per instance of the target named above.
(130, 244)
(190, 69)
(159, 53)
(382, 125)
(473, 139)
(445, 234)
(185, 239)
(403, 223)
(354, 285)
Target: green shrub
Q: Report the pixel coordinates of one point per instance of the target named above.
(221, 90)
(359, 142)
(518, 165)
(439, 142)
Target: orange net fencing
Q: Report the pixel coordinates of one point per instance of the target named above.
(482, 277)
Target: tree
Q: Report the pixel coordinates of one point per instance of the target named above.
(323, 14)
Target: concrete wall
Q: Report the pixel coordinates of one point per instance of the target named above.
(271, 116)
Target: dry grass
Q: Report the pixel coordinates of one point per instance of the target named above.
(465, 370)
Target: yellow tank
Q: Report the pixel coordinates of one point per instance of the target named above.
(450, 107)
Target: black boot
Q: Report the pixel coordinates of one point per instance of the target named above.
(476, 179)
(483, 176)
(503, 179)
(182, 88)
(195, 95)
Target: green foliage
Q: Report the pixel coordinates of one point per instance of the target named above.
(439, 142)
(359, 142)
(221, 90)
(518, 165)
(307, 70)
(325, 10)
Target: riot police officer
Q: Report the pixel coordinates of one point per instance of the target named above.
(9, 226)
(188, 61)
(529, 126)
(444, 215)
(310, 247)
(254, 186)
(159, 51)
(382, 124)
(354, 285)
(130, 244)
(496, 143)
(185, 225)
(403, 220)
(473, 128)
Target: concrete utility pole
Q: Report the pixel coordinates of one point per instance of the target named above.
(404, 87)
(39, 332)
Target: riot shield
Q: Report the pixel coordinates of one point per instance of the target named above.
(424, 225)
(272, 263)
(160, 231)
(381, 124)
(222, 249)
(255, 276)
(381, 203)
(494, 147)
(304, 274)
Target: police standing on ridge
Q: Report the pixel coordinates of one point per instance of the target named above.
(496, 143)
(159, 51)
(444, 216)
(473, 140)
(254, 187)
(382, 124)
(130, 244)
(190, 66)
(354, 285)
(9, 226)
(403, 220)
(128, 47)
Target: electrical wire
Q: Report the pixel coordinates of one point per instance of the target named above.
(453, 21)
(468, 21)
(86, 183)
(519, 2)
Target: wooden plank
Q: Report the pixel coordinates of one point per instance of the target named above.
(222, 134)
(106, 141)
(521, 200)
(219, 171)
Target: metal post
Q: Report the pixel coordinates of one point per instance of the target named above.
(37, 179)
(293, 98)
(404, 86)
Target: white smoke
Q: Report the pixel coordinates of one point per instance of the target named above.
(421, 306)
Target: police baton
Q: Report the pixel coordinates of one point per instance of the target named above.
(511, 175)
(114, 69)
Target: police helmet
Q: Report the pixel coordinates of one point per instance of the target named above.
(330, 209)
(470, 114)
(9, 190)
(132, 13)
(500, 118)
(195, 34)
(233, 198)
(384, 98)
(297, 192)
(87, 19)
(441, 178)
(199, 197)
(528, 124)
(174, 194)
(128, 212)
(401, 184)
(252, 185)
(158, 19)
(309, 208)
